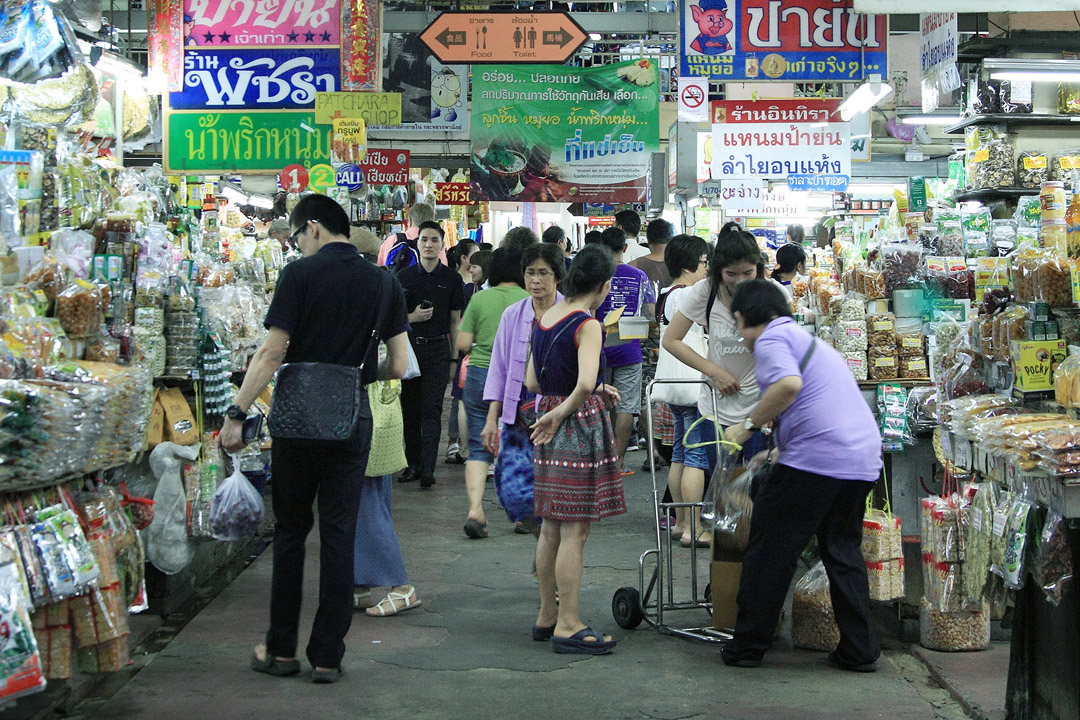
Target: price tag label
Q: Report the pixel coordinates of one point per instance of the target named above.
(1000, 520)
(963, 454)
(946, 445)
(977, 519)
(294, 178)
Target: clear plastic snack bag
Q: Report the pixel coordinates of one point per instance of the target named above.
(813, 623)
(1055, 563)
(237, 508)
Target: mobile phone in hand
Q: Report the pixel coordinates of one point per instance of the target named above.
(426, 305)
(252, 428)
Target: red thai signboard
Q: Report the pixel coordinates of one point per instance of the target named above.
(452, 193)
(802, 110)
(386, 167)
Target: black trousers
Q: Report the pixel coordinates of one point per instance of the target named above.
(789, 508)
(422, 405)
(302, 472)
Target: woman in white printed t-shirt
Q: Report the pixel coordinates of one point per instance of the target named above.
(730, 365)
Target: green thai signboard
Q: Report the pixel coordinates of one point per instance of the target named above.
(551, 133)
(243, 141)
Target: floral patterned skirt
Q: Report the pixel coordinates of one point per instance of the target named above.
(577, 475)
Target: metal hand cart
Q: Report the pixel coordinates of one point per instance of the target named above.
(653, 602)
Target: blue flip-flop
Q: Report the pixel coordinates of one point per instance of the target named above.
(577, 644)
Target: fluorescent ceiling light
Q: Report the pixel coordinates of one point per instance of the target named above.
(1033, 69)
(941, 116)
(233, 195)
(260, 201)
(866, 96)
(118, 66)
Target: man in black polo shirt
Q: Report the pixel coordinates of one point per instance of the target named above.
(435, 297)
(324, 309)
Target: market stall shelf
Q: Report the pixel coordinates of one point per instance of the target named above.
(1012, 120)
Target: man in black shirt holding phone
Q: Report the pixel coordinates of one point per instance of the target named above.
(435, 298)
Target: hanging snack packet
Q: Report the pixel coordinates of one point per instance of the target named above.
(1055, 564)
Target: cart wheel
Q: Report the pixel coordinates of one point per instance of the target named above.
(708, 598)
(626, 607)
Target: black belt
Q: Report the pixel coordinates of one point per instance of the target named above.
(430, 339)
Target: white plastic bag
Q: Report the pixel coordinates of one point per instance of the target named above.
(412, 370)
(237, 509)
(167, 545)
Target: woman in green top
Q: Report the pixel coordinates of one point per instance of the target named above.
(476, 336)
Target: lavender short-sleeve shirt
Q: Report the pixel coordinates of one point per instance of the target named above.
(829, 429)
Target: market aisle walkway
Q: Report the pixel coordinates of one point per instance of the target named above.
(467, 653)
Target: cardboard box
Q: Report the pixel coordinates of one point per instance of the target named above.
(1034, 364)
(156, 434)
(724, 584)
(180, 426)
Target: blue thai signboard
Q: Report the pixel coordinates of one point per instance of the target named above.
(827, 183)
(263, 78)
(351, 176)
(785, 40)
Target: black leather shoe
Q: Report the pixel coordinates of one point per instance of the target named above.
(426, 481)
(852, 667)
(410, 475)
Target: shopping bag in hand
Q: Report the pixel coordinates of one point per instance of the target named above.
(237, 508)
(727, 502)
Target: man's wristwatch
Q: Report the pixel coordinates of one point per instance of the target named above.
(233, 412)
(748, 425)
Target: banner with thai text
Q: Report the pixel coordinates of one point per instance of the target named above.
(762, 40)
(254, 142)
(778, 150)
(938, 58)
(796, 110)
(551, 133)
(266, 78)
(246, 23)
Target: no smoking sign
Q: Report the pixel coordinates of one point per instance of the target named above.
(693, 99)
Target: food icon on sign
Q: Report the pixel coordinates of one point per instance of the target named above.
(711, 19)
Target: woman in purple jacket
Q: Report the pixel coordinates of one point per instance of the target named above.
(506, 432)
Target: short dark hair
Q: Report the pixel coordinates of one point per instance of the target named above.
(788, 258)
(593, 236)
(432, 225)
(659, 232)
(629, 221)
(592, 267)
(758, 302)
(553, 234)
(684, 253)
(505, 267)
(550, 254)
(614, 239)
(519, 237)
(322, 210)
(482, 260)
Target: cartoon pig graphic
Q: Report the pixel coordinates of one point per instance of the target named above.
(712, 21)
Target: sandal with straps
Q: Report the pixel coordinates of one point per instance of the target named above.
(389, 605)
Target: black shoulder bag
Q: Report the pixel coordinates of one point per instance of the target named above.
(324, 401)
(767, 467)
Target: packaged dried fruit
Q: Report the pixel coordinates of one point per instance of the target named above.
(901, 264)
(882, 330)
(78, 308)
(1032, 168)
(954, 631)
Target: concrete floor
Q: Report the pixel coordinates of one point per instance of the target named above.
(468, 652)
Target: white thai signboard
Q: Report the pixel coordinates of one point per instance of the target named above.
(777, 150)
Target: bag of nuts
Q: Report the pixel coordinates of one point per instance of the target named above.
(813, 624)
(882, 330)
(883, 363)
(954, 631)
(78, 308)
